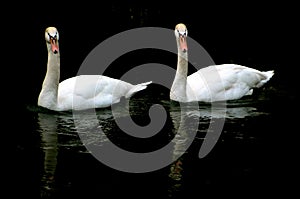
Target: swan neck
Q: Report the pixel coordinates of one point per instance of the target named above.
(182, 64)
(178, 89)
(49, 92)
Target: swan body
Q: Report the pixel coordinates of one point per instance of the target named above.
(79, 92)
(215, 82)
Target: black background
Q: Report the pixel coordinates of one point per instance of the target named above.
(262, 36)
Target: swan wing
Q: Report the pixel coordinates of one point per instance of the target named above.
(91, 91)
(206, 84)
(225, 82)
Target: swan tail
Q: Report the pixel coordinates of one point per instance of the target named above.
(267, 75)
(137, 88)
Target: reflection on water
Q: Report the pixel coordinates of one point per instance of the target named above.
(48, 128)
(59, 134)
(228, 112)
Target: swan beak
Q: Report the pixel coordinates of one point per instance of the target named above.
(54, 45)
(183, 43)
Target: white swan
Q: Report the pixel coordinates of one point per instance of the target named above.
(212, 83)
(92, 91)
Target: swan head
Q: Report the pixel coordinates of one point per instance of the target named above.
(181, 35)
(52, 37)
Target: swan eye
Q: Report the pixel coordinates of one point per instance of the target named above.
(49, 36)
(185, 32)
(57, 36)
(177, 33)
(182, 33)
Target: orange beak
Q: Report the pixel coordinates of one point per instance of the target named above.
(183, 43)
(54, 45)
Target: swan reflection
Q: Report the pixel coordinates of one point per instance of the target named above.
(228, 112)
(199, 118)
(185, 126)
(48, 130)
(54, 127)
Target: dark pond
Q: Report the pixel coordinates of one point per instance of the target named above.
(253, 155)
(52, 160)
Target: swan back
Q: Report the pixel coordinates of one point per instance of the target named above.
(212, 83)
(79, 92)
(225, 82)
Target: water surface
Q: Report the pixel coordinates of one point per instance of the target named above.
(54, 162)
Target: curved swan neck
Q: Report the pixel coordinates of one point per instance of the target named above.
(49, 92)
(182, 64)
(178, 89)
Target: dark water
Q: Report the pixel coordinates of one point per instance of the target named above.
(251, 156)
(255, 155)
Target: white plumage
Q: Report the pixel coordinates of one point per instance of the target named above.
(79, 92)
(212, 83)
